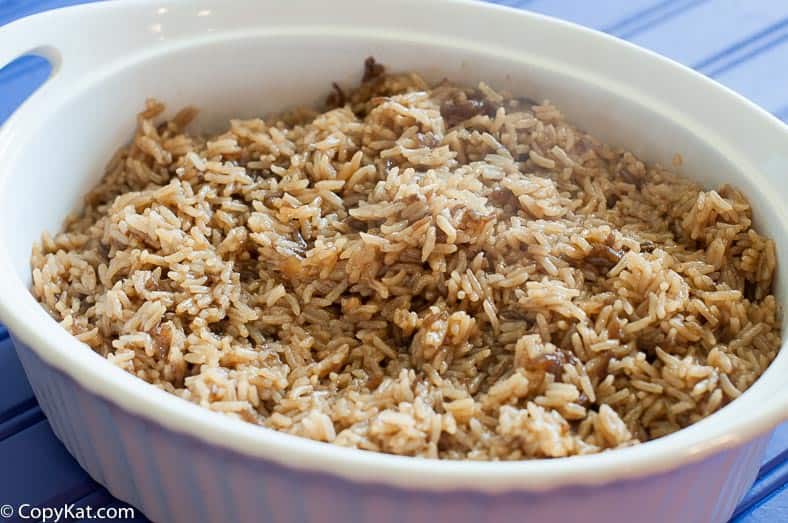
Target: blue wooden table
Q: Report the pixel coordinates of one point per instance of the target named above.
(742, 44)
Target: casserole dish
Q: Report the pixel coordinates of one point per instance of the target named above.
(176, 461)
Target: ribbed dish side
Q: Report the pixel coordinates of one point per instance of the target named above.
(174, 477)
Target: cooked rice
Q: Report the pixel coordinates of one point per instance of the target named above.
(427, 271)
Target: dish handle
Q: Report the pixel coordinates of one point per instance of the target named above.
(42, 35)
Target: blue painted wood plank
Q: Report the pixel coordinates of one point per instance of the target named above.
(656, 17)
(15, 394)
(773, 509)
(37, 469)
(13, 9)
(20, 421)
(771, 479)
(762, 75)
(599, 15)
(689, 38)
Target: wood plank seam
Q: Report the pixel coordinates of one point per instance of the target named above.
(770, 43)
(659, 19)
(717, 58)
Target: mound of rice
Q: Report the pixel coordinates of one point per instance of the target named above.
(428, 271)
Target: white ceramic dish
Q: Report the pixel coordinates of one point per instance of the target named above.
(178, 462)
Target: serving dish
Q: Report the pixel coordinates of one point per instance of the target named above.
(176, 461)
